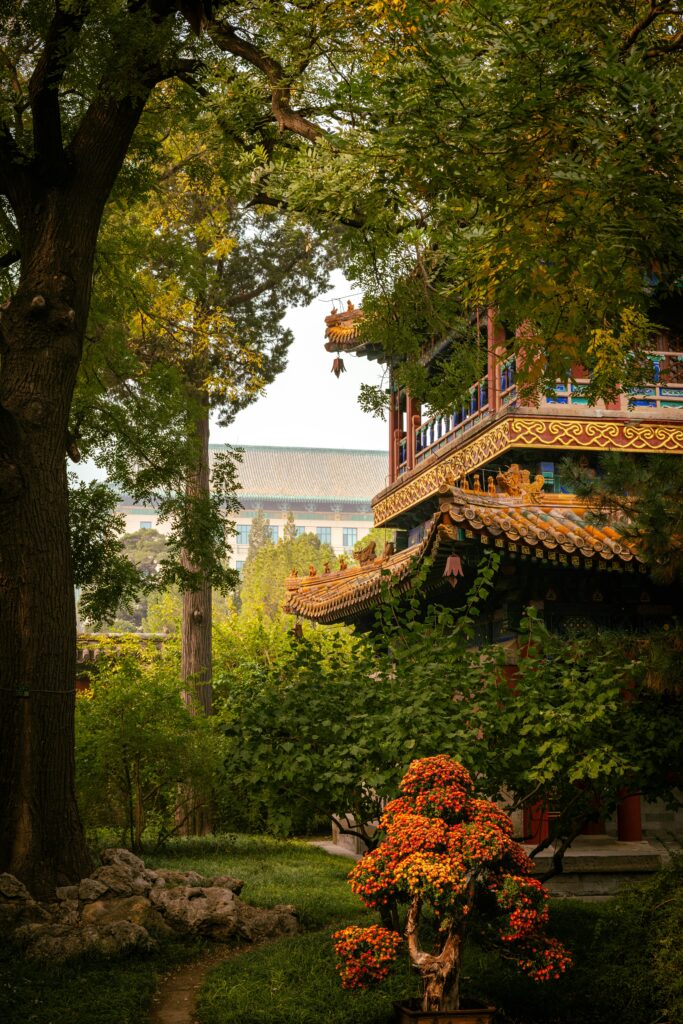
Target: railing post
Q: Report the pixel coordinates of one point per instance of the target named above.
(413, 424)
(495, 349)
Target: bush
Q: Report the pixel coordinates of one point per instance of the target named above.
(136, 744)
(628, 962)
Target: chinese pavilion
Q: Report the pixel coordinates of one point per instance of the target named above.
(486, 476)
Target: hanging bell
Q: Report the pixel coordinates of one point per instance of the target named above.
(338, 367)
(452, 570)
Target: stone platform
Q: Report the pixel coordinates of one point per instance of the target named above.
(597, 867)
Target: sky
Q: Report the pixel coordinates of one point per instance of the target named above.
(306, 405)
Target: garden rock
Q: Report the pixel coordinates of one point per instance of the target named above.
(12, 889)
(59, 942)
(257, 924)
(67, 892)
(124, 873)
(197, 910)
(123, 906)
(17, 906)
(218, 914)
(136, 909)
(90, 889)
(171, 877)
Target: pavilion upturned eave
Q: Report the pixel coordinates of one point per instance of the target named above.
(556, 530)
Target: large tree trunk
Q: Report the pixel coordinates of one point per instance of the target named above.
(41, 838)
(58, 202)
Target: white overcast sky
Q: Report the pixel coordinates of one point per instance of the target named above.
(306, 405)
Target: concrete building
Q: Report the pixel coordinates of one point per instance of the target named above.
(328, 491)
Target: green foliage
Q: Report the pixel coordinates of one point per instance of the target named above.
(510, 155)
(268, 565)
(326, 724)
(190, 291)
(576, 722)
(199, 531)
(318, 728)
(281, 701)
(643, 498)
(626, 961)
(259, 533)
(101, 568)
(136, 743)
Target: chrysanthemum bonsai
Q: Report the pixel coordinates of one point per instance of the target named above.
(450, 852)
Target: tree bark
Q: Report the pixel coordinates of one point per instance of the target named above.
(440, 972)
(41, 838)
(195, 666)
(58, 203)
(196, 622)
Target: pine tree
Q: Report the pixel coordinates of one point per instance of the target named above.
(289, 531)
(259, 534)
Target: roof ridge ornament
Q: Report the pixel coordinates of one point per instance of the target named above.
(517, 483)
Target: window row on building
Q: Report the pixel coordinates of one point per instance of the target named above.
(323, 533)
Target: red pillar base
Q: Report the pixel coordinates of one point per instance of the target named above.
(629, 825)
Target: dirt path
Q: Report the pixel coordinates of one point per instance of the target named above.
(176, 997)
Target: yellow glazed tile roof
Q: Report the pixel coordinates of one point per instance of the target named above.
(527, 523)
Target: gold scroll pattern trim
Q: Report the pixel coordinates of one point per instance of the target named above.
(534, 433)
(653, 437)
(597, 435)
(465, 460)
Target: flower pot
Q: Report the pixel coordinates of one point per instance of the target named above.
(410, 1013)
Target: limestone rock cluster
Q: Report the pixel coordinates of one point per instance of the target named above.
(124, 906)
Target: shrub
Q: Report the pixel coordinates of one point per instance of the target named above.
(136, 744)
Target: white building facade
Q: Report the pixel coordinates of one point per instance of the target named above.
(327, 490)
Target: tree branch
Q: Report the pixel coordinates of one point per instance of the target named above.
(670, 46)
(226, 38)
(47, 76)
(11, 257)
(263, 199)
(654, 11)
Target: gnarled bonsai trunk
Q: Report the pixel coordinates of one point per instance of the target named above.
(440, 972)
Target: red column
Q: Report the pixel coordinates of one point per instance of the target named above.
(392, 434)
(536, 827)
(629, 825)
(414, 420)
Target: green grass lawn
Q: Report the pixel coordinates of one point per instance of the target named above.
(274, 871)
(293, 981)
(89, 991)
(120, 992)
